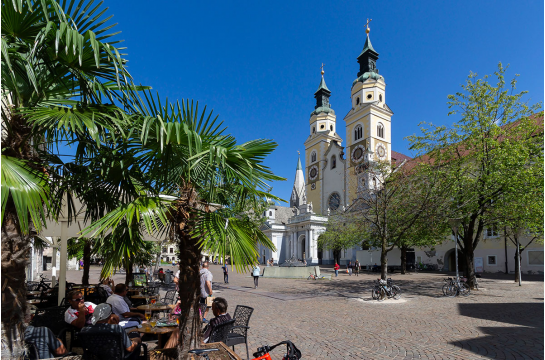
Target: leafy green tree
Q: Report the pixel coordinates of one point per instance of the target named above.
(481, 156)
(341, 233)
(399, 207)
(519, 212)
(58, 65)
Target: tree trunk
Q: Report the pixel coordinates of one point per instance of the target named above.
(517, 265)
(384, 261)
(189, 284)
(470, 268)
(128, 272)
(403, 259)
(86, 262)
(337, 256)
(15, 256)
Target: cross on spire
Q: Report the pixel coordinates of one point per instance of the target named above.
(322, 69)
(367, 30)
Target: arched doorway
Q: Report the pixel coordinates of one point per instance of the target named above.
(302, 241)
(450, 261)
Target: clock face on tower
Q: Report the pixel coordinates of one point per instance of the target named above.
(313, 173)
(334, 201)
(381, 151)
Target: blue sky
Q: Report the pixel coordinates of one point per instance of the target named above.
(257, 64)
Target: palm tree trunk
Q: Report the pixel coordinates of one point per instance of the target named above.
(86, 262)
(15, 256)
(189, 291)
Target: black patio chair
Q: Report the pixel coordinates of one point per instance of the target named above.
(99, 346)
(53, 318)
(221, 331)
(239, 331)
(102, 295)
(169, 297)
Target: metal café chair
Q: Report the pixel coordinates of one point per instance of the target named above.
(169, 297)
(239, 331)
(221, 331)
(99, 346)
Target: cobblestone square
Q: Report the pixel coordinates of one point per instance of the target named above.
(338, 320)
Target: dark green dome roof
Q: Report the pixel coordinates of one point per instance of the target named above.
(366, 76)
(323, 109)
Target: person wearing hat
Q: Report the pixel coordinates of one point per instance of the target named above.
(104, 321)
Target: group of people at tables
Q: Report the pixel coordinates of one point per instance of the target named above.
(117, 316)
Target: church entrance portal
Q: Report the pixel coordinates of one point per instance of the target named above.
(303, 250)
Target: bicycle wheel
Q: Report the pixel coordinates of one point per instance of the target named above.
(452, 290)
(464, 289)
(396, 292)
(375, 293)
(382, 295)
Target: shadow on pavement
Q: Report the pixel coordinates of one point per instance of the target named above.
(524, 340)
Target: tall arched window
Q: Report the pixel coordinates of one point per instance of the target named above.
(333, 162)
(380, 130)
(358, 132)
(313, 157)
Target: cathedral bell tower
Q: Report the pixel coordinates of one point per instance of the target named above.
(368, 123)
(323, 123)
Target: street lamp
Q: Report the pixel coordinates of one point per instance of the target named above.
(454, 224)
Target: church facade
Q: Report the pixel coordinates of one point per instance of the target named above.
(335, 174)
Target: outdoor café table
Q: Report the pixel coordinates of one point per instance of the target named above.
(155, 307)
(159, 331)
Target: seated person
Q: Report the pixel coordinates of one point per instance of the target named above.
(79, 313)
(104, 321)
(46, 343)
(219, 308)
(107, 285)
(121, 308)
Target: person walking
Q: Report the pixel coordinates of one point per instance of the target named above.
(225, 274)
(349, 267)
(256, 274)
(357, 268)
(336, 267)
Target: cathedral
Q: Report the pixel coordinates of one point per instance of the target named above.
(334, 173)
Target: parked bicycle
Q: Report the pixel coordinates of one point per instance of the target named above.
(43, 284)
(456, 286)
(314, 277)
(385, 288)
(262, 352)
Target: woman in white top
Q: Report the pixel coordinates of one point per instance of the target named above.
(256, 275)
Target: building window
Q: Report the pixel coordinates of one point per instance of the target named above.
(172, 250)
(313, 129)
(168, 259)
(491, 260)
(380, 97)
(369, 96)
(380, 130)
(270, 213)
(358, 132)
(313, 157)
(333, 162)
(492, 231)
(535, 257)
(331, 127)
(357, 100)
(164, 249)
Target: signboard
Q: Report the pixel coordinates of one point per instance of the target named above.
(479, 265)
(139, 280)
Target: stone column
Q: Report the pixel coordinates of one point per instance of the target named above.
(307, 244)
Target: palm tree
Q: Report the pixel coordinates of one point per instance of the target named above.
(57, 72)
(195, 177)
